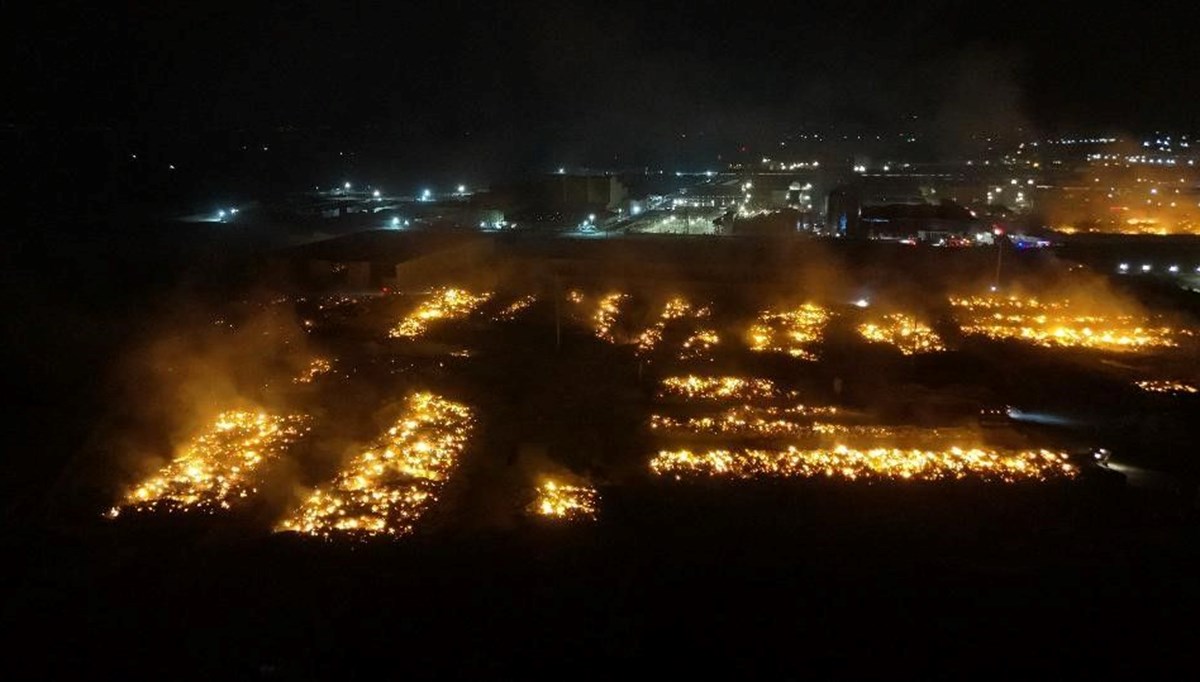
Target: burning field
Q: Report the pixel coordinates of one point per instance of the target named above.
(562, 501)
(908, 334)
(385, 489)
(793, 332)
(1059, 324)
(880, 463)
(444, 304)
(220, 467)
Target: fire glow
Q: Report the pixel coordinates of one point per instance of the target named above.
(909, 335)
(717, 388)
(387, 488)
(444, 304)
(880, 463)
(220, 467)
(790, 332)
(558, 500)
(1057, 324)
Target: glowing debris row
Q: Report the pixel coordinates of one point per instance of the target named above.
(315, 369)
(908, 334)
(717, 388)
(1057, 324)
(674, 309)
(699, 345)
(1166, 386)
(220, 467)
(875, 463)
(512, 310)
(387, 488)
(567, 502)
(790, 332)
(606, 315)
(444, 304)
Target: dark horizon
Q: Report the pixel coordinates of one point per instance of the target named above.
(568, 76)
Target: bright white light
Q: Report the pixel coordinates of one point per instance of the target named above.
(591, 217)
(1146, 268)
(221, 214)
(1123, 267)
(395, 222)
(426, 194)
(233, 211)
(462, 189)
(562, 170)
(635, 209)
(862, 303)
(375, 194)
(346, 186)
(993, 288)
(709, 173)
(1173, 268)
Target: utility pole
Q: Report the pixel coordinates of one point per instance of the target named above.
(998, 233)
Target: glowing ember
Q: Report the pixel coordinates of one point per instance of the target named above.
(1166, 386)
(675, 309)
(717, 388)
(906, 333)
(445, 304)
(606, 315)
(699, 345)
(561, 501)
(219, 467)
(755, 421)
(575, 296)
(1056, 324)
(385, 489)
(875, 463)
(789, 331)
(315, 369)
(515, 308)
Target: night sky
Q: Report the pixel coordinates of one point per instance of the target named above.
(553, 78)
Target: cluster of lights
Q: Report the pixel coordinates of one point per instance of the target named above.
(699, 344)
(948, 463)
(315, 369)
(220, 467)
(1166, 386)
(675, 309)
(790, 331)
(387, 488)
(561, 501)
(717, 388)
(445, 304)
(909, 335)
(748, 420)
(1055, 325)
(606, 315)
(512, 310)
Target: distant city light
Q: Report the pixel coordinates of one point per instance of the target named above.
(561, 171)
(221, 214)
(346, 186)
(375, 194)
(426, 194)
(1146, 267)
(1173, 268)
(395, 222)
(591, 217)
(635, 209)
(862, 303)
(1123, 267)
(462, 189)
